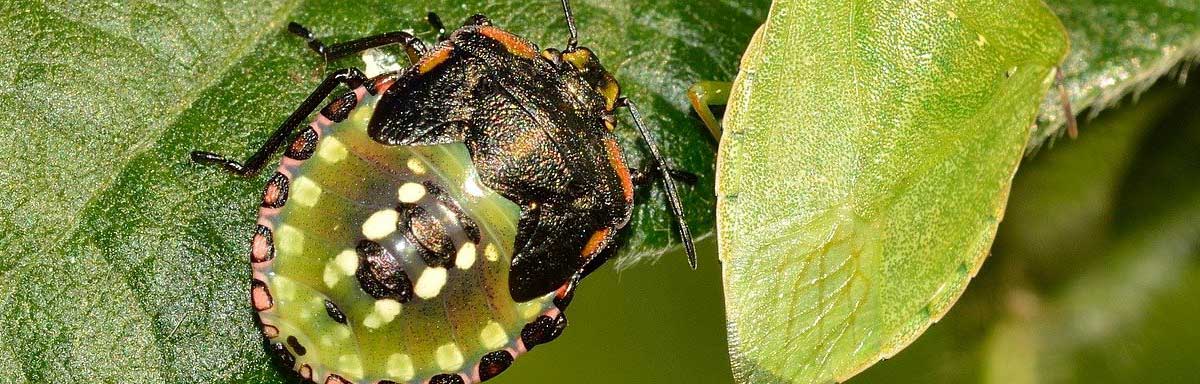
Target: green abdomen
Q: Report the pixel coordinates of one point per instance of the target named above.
(378, 263)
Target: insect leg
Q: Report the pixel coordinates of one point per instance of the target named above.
(351, 77)
(1065, 100)
(648, 174)
(438, 26)
(413, 46)
(685, 234)
(705, 94)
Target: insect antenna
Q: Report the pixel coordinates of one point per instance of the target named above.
(685, 234)
(573, 41)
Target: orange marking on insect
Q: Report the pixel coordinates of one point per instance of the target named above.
(431, 61)
(270, 331)
(272, 195)
(618, 163)
(299, 144)
(562, 290)
(596, 242)
(260, 249)
(260, 297)
(514, 44)
(335, 379)
(336, 104)
(382, 84)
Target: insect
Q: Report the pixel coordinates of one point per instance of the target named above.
(433, 223)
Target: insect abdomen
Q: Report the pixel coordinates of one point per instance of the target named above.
(376, 263)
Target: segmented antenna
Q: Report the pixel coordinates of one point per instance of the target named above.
(573, 41)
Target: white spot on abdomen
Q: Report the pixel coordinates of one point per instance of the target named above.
(491, 253)
(410, 192)
(380, 224)
(305, 192)
(400, 366)
(466, 256)
(493, 336)
(449, 357)
(415, 166)
(385, 311)
(331, 150)
(345, 264)
(430, 284)
(350, 365)
(289, 240)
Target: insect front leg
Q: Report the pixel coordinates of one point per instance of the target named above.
(351, 77)
(648, 174)
(413, 46)
(705, 94)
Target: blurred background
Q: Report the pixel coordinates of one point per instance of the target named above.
(1094, 278)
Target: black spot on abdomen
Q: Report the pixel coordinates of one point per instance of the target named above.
(276, 192)
(334, 312)
(340, 108)
(380, 274)
(446, 378)
(296, 346)
(493, 364)
(285, 357)
(303, 145)
(543, 330)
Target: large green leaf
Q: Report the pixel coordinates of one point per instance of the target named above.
(865, 164)
(126, 262)
(1093, 276)
(1117, 47)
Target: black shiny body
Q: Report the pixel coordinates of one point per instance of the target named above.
(536, 130)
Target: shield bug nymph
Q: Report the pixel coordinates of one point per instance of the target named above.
(432, 223)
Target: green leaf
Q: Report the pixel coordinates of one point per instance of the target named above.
(866, 161)
(1091, 266)
(126, 262)
(1118, 47)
